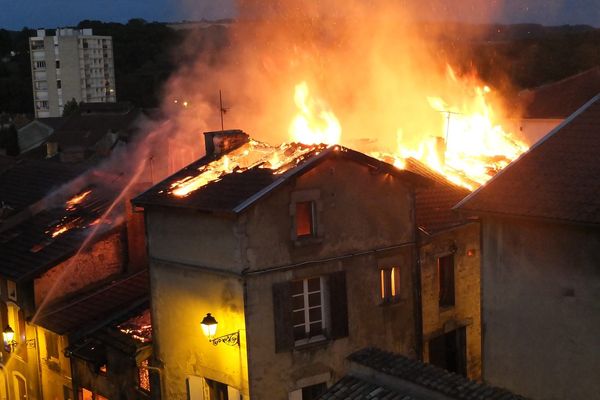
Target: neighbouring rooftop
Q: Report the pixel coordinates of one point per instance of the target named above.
(377, 374)
(557, 179)
(558, 100)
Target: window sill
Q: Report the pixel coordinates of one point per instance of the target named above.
(445, 309)
(307, 241)
(393, 302)
(316, 343)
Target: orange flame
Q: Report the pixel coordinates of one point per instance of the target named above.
(315, 123)
(77, 199)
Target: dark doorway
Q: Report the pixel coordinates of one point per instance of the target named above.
(449, 351)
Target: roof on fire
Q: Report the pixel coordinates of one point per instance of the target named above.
(29, 249)
(24, 182)
(433, 204)
(396, 377)
(556, 179)
(561, 99)
(235, 192)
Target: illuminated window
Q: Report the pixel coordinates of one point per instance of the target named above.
(307, 310)
(103, 370)
(305, 219)
(144, 376)
(446, 280)
(389, 284)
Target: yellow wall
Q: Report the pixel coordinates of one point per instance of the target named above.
(181, 297)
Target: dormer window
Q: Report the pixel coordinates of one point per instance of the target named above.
(305, 219)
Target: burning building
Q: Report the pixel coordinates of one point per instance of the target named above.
(301, 254)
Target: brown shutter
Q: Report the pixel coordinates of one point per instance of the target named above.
(338, 305)
(282, 314)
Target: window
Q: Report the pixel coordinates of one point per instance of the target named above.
(307, 310)
(57, 64)
(51, 345)
(310, 310)
(40, 64)
(216, 390)
(446, 280)
(389, 284)
(314, 391)
(11, 290)
(58, 84)
(305, 219)
(144, 376)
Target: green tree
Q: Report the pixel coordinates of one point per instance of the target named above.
(71, 108)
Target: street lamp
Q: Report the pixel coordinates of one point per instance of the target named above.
(209, 327)
(8, 334)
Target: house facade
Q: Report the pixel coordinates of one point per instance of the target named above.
(540, 250)
(304, 266)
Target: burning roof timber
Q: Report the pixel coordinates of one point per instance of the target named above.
(230, 179)
(52, 235)
(557, 179)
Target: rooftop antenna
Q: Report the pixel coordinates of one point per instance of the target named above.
(222, 110)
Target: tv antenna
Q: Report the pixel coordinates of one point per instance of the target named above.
(222, 110)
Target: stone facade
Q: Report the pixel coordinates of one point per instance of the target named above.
(463, 244)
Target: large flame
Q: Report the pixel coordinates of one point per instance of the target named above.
(471, 148)
(315, 123)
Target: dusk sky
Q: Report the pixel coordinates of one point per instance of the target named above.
(54, 13)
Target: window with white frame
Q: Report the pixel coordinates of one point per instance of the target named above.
(308, 314)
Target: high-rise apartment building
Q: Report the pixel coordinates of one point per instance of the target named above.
(72, 64)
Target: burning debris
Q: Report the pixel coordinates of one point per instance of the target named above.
(249, 155)
(138, 327)
(81, 211)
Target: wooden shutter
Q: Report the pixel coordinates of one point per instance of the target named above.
(338, 305)
(282, 315)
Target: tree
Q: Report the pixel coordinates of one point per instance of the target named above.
(71, 108)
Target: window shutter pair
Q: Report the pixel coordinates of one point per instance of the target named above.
(282, 311)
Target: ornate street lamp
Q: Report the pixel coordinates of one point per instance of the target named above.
(10, 344)
(209, 327)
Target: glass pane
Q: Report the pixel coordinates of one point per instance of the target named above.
(298, 317)
(299, 332)
(316, 329)
(314, 284)
(314, 299)
(314, 314)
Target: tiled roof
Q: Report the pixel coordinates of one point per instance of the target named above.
(434, 203)
(94, 308)
(29, 248)
(25, 182)
(52, 122)
(401, 368)
(351, 387)
(86, 130)
(561, 99)
(236, 191)
(557, 179)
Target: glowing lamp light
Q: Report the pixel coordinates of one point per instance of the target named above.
(209, 326)
(8, 335)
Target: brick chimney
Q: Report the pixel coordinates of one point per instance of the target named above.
(221, 142)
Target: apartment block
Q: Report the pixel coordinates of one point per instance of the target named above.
(71, 64)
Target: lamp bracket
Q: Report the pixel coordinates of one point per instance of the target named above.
(231, 339)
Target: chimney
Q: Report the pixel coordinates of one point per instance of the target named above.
(221, 142)
(51, 149)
